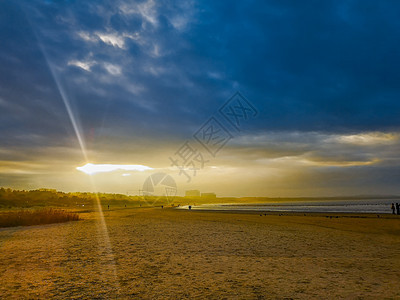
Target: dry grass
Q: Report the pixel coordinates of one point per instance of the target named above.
(36, 217)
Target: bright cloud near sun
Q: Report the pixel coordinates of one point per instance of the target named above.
(371, 138)
(104, 168)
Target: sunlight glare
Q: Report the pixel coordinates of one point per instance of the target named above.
(103, 168)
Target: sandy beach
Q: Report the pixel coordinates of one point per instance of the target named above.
(154, 253)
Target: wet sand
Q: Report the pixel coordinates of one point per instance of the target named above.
(176, 254)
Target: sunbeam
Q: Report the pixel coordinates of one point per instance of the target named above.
(103, 239)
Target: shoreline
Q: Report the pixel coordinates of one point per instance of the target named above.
(286, 213)
(366, 206)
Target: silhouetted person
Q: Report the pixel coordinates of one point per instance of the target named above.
(162, 206)
(398, 208)
(190, 207)
(393, 209)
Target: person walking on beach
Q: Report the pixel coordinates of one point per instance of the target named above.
(398, 208)
(393, 209)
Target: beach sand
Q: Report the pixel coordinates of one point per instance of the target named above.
(154, 253)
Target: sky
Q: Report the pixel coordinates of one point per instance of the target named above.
(240, 98)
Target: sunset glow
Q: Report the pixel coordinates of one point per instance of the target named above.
(116, 89)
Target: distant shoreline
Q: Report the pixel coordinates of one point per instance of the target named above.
(368, 206)
(298, 214)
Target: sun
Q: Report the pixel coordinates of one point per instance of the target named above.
(91, 169)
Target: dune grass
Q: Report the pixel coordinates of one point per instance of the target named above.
(36, 217)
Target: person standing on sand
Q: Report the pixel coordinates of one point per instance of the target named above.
(393, 209)
(398, 208)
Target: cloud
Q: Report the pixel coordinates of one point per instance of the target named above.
(87, 36)
(146, 9)
(104, 168)
(373, 138)
(295, 149)
(112, 39)
(85, 65)
(112, 69)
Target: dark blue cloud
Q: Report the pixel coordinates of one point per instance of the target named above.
(319, 65)
(156, 69)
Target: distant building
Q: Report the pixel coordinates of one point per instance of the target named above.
(192, 193)
(209, 195)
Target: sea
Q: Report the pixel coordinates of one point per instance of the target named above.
(376, 206)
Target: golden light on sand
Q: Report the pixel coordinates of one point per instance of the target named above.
(104, 168)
